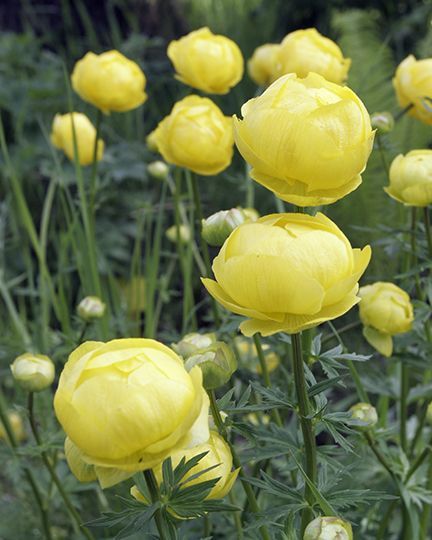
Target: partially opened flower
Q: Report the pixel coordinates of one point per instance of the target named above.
(413, 85)
(206, 61)
(307, 140)
(287, 272)
(411, 178)
(306, 51)
(126, 405)
(109, 81)
(385, 311)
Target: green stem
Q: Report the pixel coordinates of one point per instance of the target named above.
(372, 444)
(304, 410)
(74, 514)
(420, 459)
(381, 534)
(155, 497)
(427, 225)
(250, 495)
(421, 422)
(237, 518)
(27, 472)
(382, 154)
(339, 331)
(93, 176)
(425, 518)
(402, 113)
(266, 376)
(414, 251)
(403, 414)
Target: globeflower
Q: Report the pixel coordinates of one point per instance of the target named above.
(328, 528)
(34, 372)
(263, 66)
(385, 310)
(109, 81)
(196, 135)
(411, 178)
(307, 140)
(286, 273)
(126, 405)
(206, 61)
(62, 137)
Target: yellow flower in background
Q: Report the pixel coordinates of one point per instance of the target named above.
(263, 65)
(62, 137)
(126, 405)
(413, 85)
(206, 61)
(307, 140)
(16, 425)
(182, 232)
(196, 135)
(219, 454)
(34, 372)
(411, 178)
(109, 81)
(134, 294)
(248, 354)
(287, 272)
(385, 310)
(306, 51)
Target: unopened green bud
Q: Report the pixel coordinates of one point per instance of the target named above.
(158, 169)
(382, 121)
(90, 308)
(217, 227)
(183, 233)
(34, 372)
(193, 343)
(365, 413)
(217, 364)
(328, 528)
(429, 413)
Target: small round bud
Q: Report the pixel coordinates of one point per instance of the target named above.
(217, 364)
(151, 141)
(429, 413)
(34, 372)
(382, 121)
(158, 170)
(328, 528)
(217, 227)
(16, 426)
(365, 413)
(183, 232)
(250, 213)
(193, 343)
(91, 307)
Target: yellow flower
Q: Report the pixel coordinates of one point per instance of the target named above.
(182, 231)
(287, 272)
(263, 65)
(209, 62)
(16, 426)
(197, 136)
(249, 355)
(34, 372)
(413, 86)
(411, 178)
(127, 404)
(109, 81)
(385, 310)
(219, 454)
(62, 137)
(365, 413)
(307, 140)
(305, 51)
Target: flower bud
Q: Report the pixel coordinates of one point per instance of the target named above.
(328, 528)
(183, 233)
(158, 169)
(411, 178)
(217, 227)
(16, 426)
(263, 65)
(250, 213)
(429, 413)
(382, 121)
(34, 372)
(91, 307)
(193, 343)
(217, 364)
(365, 413)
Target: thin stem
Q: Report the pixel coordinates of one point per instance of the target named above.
(420, 459)
(414, 250)
(381, 150)
(419, 430)
(427, 225)
(306, 426)
(155, 497)
(93, 176)
(250, 495)
(339, 331)
(425, 518)
(372, 444)
(237, 518)
(381, 534)
(74, 514)
(402, 113)
(403, 415)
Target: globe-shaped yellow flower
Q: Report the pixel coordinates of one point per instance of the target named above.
(411, 178)
(287, 272)
(109, 81)
(306, 51)
(197, 136)
(206, 61)
(263, 66)
(385, 310)
(62, 137)
(16, 425)
(126, 405)
(413, 85)
(218, 456)
(307, 140)
(34, 372)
